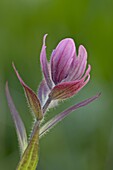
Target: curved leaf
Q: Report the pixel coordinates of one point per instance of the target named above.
(32, 98)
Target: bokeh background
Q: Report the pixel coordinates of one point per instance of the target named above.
(84, 140)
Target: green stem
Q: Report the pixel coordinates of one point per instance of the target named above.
(46, 105)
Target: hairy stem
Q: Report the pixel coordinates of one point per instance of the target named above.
(46, 105)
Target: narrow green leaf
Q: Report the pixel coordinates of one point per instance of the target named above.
(59, 117)
(19, 125)
(32, 98)
(30, 157)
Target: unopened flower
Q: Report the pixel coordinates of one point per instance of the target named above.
(66, 72)
(64, 76)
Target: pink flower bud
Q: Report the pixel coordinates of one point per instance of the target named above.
(66, 73)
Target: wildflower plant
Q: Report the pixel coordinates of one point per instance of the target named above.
(64, 76)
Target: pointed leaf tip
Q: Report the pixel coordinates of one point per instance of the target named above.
(32, 98)
(20, 129)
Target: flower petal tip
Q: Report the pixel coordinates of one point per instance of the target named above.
(44, 38)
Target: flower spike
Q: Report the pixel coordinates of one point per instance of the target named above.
(32, 99)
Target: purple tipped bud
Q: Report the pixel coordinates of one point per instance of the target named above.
(67, 72)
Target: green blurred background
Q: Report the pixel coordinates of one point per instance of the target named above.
(84, 140)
